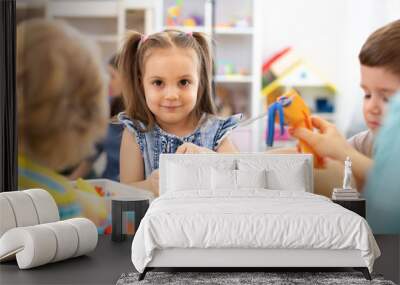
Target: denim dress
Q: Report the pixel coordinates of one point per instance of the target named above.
(209, 133)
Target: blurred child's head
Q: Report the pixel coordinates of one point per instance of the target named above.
(380, 72)
(61, 93)
(115, 83)
(167, 77)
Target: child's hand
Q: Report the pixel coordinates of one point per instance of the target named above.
(154, 182)
(192, 148)
(327, 143)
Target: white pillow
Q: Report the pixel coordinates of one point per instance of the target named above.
(281, 174)
(292, 180)
(251, 178)
(223, 179)
(187, 177)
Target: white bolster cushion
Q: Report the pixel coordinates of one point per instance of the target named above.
(7, 218)
(87, 235)
(40, 244)
(67, 240)
(26, 208)
(23, 208)
(46, 207)
(33, 246)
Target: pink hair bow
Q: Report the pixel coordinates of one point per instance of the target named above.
(143, 38)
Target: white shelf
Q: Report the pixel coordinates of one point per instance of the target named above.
(200, 29)
(233, 31)
(233, 78)
(140, 4)
(87, 9)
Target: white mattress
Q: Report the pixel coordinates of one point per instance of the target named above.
(253, 218)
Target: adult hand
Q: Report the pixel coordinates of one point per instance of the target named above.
(328, 142)
(192, 148)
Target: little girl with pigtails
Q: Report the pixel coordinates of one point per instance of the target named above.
(169, 106)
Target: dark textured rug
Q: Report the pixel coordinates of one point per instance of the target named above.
(229, 278)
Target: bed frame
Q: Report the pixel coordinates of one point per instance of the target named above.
(234, 259)
(248, 259)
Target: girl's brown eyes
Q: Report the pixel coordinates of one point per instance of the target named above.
(157, 83)
(184, 82)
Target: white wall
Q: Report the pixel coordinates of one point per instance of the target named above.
(329, 34)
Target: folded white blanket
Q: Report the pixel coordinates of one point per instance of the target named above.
(250, 219)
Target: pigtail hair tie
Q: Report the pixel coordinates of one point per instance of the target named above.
(143, 38)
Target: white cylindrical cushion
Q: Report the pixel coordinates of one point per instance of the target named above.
(87, 234)
(7, 218)
(67, 239)
(45, 205)
(34, 246)
(24, 210)
(40, 244)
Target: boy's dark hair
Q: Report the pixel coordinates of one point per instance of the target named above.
(382, 48)
(131, 66)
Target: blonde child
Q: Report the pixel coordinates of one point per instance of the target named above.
(380, 79)
(111, 143)
(62, 107)
(169, 107)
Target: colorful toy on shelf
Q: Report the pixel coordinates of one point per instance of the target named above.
(189, 22)
(244, 22)
(236, 22)
(174, 16)
(199, 20)
(287, 69)
(226, 67)
(173, 13)
(192, 21)
(243, 71)
(291, 109)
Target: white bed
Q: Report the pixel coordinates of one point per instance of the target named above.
(202, 220)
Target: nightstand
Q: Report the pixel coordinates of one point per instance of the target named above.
(356, 205)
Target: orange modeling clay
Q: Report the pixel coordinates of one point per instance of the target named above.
(291, 109)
